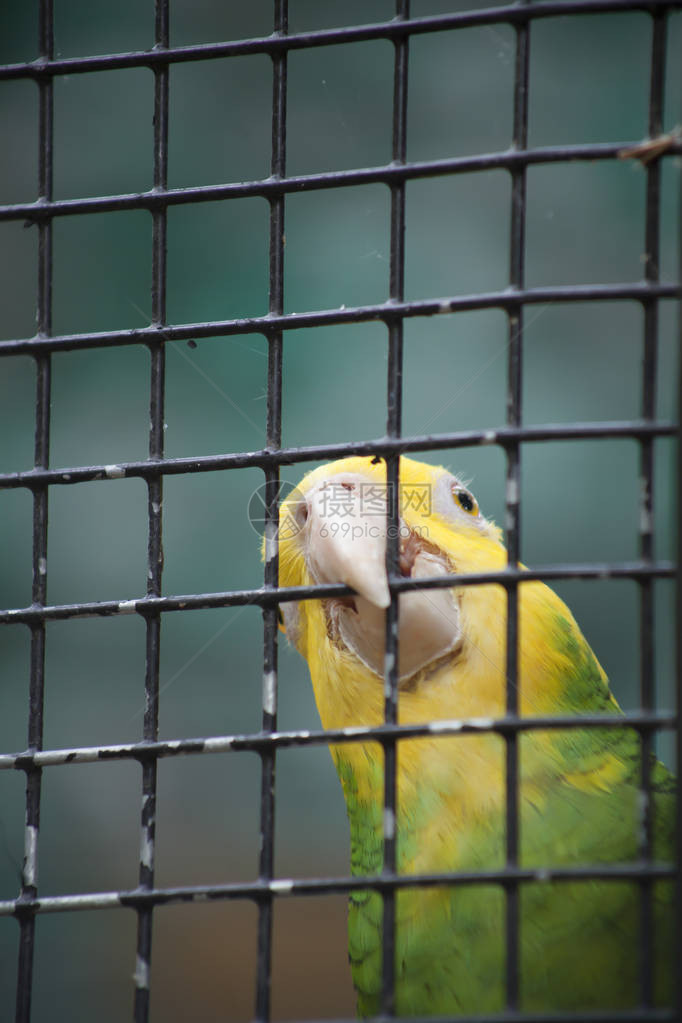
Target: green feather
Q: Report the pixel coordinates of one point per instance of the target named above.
(579, 798)
(578, 940)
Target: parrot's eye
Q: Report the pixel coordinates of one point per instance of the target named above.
(466, 501)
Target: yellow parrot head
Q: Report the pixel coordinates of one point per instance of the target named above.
(333, 530)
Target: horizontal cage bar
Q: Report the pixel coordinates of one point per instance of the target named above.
(643, 721)
(512, 14)
(268, 597)
(266, 458)
(507, 299)
(288, 887)
(389, 174)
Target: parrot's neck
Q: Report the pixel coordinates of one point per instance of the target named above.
(447, 785)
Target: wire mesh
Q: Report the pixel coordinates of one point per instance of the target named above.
(511, 439)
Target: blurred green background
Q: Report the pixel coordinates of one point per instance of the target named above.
(589, 83)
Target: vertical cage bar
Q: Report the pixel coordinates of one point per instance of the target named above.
(155, 524)
(394, 429)
(29, 879)
(646, 518)
(677, 934)
(271, 578)
(513, 505)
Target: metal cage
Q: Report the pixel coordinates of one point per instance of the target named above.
(511, 438)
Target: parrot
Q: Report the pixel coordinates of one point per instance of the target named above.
(579, 796)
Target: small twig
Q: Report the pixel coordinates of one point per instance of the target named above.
(652, 149)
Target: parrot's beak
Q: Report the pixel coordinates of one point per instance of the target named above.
(344, 530)
(345, 543)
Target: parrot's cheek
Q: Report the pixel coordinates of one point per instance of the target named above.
(429, 621)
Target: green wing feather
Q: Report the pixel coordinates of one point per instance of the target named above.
(579, 940)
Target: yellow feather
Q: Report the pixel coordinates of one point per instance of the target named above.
(452, 789)
(348, 693)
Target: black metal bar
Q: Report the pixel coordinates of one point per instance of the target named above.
(676, 961)
(293, 887)
(647, 668)
(513, 507)
(268, 597)
(638, 291)
(505, 300)
(502, 436)
(29, 878)
(272, 487)
(259, 741)
(266, 188)
(512, 14)
(393, 430)
(155, 523)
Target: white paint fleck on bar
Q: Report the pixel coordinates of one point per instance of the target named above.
(389, 823)
(146, 851)
(270, 541)
(512, 490)
(60, 903)
(87, 756)
(75, 756)
(30, 855)
(445, 726)
(281, 886)
(114, 472)
(127, 607)
(456, 725)
(269, 692)
(217, 745)
(141, 975)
